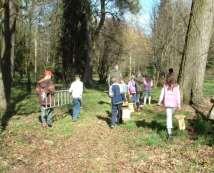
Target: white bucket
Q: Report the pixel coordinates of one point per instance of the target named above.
(131, 107)
(126, 115)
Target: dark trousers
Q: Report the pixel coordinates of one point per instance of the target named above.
(46, 115)
(116, 114)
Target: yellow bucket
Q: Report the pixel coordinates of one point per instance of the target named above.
(181, 122)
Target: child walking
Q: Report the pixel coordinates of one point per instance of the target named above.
(132, 90)
(140, 88)
(148, 84)
(116, 102)
(170, 97)
(76, 89)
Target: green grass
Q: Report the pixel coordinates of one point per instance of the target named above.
(24, 103)
(154, 139)
(209, 87)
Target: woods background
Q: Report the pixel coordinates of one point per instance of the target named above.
(88, 37)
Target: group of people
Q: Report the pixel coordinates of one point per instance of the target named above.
(139, 88)
(45, 89)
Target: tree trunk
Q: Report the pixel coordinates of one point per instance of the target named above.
(193, 64)
(76, 39)
(91, 39)
(35, 54)
(3, 103)
(103, 66)
(7, 52)
(88, 52)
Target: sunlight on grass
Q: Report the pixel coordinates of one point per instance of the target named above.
(130, 125)
(153, 140)
(209, 87)
(62, 127)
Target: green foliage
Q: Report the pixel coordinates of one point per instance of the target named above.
(150, 71)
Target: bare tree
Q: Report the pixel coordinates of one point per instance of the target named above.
(169, 27)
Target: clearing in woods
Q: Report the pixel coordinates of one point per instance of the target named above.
(89, 145)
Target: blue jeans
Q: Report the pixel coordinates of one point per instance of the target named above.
(76, 108)
(116, 114)
(134, 98)
(46, 115)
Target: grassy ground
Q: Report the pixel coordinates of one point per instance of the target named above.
(89, 145)
(209, 87)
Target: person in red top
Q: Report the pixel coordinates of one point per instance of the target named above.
(44, 90)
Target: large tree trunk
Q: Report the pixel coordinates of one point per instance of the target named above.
(3, 104)
(103, 67)
(193, 64)
(76, 39)
(91, 39)
(88, 53)
(7, 52)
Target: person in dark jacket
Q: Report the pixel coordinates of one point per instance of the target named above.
(139, 84)
(44, 90)
(116, 102)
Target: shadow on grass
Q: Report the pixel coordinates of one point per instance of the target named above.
(10, 111)
(106, 119)
(200, 128)
(96, 85)
(154, 125)
(154, 101)
(101, 102)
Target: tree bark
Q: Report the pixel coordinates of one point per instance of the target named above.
(7, 51)
(76, 41)
(88, 53)
(3, 103)
(91, 40)
(194, 58)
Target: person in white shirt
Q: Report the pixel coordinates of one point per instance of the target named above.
(76, 89)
